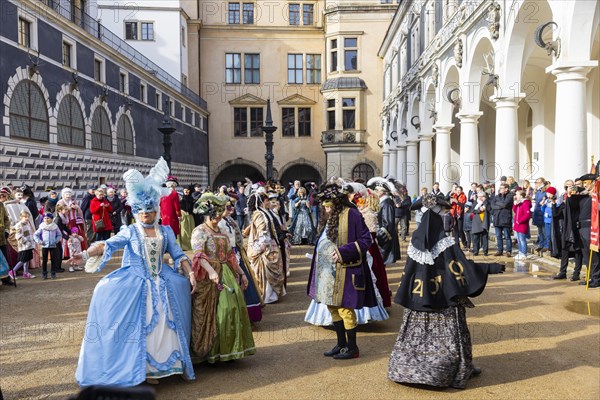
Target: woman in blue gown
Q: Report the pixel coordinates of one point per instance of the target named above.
(139, 323)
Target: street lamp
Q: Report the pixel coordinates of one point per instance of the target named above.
(268, 129)
(167, 130)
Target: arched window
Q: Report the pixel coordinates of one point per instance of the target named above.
(71, 129)
(28, 112)
(362, 171)
(124, 136)
(101, 134)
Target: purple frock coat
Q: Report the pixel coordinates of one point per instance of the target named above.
(352, 270)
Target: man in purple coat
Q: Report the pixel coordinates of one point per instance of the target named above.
(339, 275)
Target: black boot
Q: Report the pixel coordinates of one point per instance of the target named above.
(341, 339)
(352, 350)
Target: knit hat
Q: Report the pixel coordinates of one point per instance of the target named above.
(49, 215)
(75, 230)
(503, 179)
(551, 190)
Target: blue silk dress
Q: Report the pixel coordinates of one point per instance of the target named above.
(139, 322)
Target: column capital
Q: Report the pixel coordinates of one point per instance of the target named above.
(572, 70)
(443, 128)
(507, 101)
(401, 147)
(471, 117)
(426, 136)
(412, 142)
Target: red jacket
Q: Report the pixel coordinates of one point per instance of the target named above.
(100, 212)
(170, 211)
(457, 208)
(522, 216)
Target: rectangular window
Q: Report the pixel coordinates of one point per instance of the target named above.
(349, 113)
(66, 52)
(183, 36)
(233, 68)
(256, 121)
(308, 14)
(313, 68)
(147, 30)
(251, 68)
(304, 122)
(171, 108)
(287, 122)
(240, 122)
(295, 68)
(98, 70)
(234, 13)
(122, 82)
(159, 105)
(334, 60)
(350, 54)
(24, 32)
(143, 93)
(294, 14)
(248, 13)
(131, 30)
(331, 114)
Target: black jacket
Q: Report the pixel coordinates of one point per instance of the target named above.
(387, 235)
(502, 210)
(402, 207)
(85, 205)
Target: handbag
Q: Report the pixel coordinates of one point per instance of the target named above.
(99, 224)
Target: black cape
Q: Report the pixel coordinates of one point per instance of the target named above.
(437, 273)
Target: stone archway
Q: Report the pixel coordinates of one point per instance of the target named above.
(302, 172)
(236, 170)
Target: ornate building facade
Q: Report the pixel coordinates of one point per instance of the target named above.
(477, 89)
(317, 63)
(80, 106)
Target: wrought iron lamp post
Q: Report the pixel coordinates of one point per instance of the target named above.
(167, 130)
(268, 129)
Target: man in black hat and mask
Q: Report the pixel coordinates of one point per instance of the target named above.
(387, 235)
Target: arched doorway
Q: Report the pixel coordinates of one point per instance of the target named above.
(301, 172)
(237, 172)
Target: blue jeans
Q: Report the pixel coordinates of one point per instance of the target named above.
(541, 240)
(548, 231)
(502, 234)
(522, 240)
(315, 212)
(240, 221)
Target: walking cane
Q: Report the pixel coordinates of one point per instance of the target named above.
(587, 273)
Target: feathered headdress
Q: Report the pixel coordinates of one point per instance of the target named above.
(210, 204)
(143, 194)
(382, 183)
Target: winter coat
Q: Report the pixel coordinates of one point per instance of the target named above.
(63, 227)
(4, 225)
(468, 221)
(48, 235)
(85, 206)
(502, 205)
(522, 216)
(547, 210)
(100, 212)
(538, 214)
(402, 207)
(481, 218)
(24, 234)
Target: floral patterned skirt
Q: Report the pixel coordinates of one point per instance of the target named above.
(433, 348)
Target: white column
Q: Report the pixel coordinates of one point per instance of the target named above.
(386, 162)
(506, 152)
(412, 167)
(442, 156)
(393, 161)
(426, 168)
(469, 148)
(570, 132)
(401, 168)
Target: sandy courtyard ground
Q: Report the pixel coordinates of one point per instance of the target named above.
(533, 337)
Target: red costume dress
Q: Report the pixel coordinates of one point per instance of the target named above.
(170, 211)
